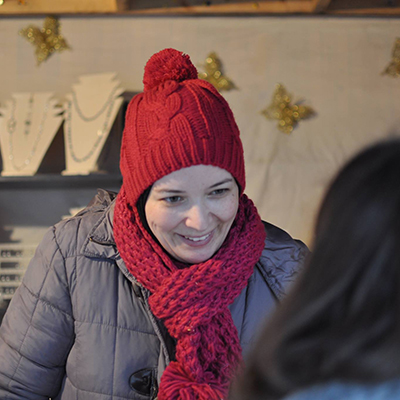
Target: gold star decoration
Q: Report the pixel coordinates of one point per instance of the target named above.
(213, 74)
(46, 40)
(393, 69)
(287, 114)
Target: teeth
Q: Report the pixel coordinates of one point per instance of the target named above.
(198, 239)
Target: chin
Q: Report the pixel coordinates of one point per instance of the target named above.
(195, 259)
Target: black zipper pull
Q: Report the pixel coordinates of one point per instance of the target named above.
(137, 291)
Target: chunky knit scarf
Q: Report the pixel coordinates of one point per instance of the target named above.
(193, 302)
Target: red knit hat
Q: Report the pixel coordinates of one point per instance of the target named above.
(178, 121)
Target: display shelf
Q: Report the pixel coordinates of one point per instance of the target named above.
(41, 201)
(14, 259)
(52, 181)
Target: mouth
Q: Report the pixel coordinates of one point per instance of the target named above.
(195, 241)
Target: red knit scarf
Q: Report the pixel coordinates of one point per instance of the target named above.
(193, 302)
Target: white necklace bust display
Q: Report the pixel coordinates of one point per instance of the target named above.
(89, 116)
(28, 125)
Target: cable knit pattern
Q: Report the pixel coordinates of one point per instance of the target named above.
(193, 302)
(178, 121)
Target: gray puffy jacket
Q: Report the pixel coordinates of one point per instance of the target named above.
(79, 326)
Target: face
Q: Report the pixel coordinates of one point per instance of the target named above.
(190, 211)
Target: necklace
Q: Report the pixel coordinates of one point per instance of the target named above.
(28, 120)
(109, 105)
(12, 122)
(102, 109)
(11, 126)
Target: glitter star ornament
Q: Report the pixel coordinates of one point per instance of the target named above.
(213, 74)
(46, 40)
(393, 69)
(287, 114)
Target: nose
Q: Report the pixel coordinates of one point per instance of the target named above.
(198, 217)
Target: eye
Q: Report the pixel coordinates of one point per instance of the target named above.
(219, 192)
(173, 199)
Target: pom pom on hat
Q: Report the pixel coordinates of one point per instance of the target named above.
(177, 122)
(166, 65)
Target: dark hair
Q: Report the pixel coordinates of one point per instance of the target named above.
(341, 320)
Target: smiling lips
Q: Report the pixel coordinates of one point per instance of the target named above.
(197, 241)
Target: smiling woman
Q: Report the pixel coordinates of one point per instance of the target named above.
(160, 291)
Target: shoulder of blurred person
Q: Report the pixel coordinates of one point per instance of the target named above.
(349, 391)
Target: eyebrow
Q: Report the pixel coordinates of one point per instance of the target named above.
(166, 190)
(227, 180)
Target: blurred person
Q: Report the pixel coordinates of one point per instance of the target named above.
(337, 334)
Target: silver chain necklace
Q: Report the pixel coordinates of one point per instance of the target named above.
(102, 109)
(11, 127)
(109, 105)
(12, 122)
(28, 120)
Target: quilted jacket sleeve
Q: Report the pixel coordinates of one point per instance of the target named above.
(37, 331)
(282, 259)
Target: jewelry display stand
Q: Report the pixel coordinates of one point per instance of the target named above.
(28, 125)
(89, 116)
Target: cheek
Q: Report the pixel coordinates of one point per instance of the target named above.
(228, 210)
(162, 219)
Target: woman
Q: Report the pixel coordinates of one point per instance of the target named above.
(157, 292)
(337, 335)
